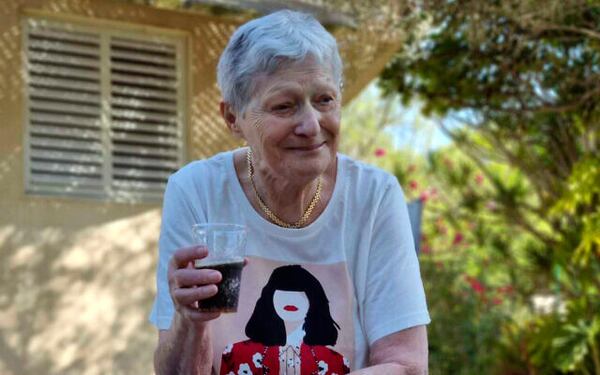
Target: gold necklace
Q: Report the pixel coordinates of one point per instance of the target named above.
(267, 210)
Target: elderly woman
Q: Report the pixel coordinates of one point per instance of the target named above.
(332, 282)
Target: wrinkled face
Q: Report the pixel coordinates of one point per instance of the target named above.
(290, 306)
(293, 120)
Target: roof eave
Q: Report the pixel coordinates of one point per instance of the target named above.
(325, 16)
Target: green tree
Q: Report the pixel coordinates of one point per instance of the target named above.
(523, 79)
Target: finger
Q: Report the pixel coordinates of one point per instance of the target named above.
(186, 277)
(199, 316)
(183, 256)
(187, 296)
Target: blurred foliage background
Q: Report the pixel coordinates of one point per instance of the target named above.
(510, 248)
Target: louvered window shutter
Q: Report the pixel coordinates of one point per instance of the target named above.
(64, 111)
(144, 134)
(104, 112)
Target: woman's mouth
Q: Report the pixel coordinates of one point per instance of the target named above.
(290, 308)
(308, 147)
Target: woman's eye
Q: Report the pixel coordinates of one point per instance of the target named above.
(326, 100)
(282, 107)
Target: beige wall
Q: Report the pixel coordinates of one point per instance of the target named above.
(77, 276)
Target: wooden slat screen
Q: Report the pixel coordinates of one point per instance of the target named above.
(103, 109)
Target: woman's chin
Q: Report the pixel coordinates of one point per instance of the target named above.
(306, 172)
(308, 167)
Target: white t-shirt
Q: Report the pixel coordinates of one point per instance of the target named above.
(360, 249)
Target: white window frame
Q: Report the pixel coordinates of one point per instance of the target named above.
(107, 29)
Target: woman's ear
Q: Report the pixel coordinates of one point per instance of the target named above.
(230, 119)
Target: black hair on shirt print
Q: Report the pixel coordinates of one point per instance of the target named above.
(266, 327)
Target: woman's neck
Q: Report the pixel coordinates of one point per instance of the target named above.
(286, 198)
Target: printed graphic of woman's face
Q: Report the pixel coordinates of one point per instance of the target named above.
(290, 306)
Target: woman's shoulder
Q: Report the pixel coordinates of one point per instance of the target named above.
(197, 171)
(363, 175)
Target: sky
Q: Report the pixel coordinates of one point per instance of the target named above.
(408, 127)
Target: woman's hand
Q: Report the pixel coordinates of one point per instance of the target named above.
(185, 348)
(188, 285)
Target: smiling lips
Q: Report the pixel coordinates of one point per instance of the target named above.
(308, 148)
(290, 308)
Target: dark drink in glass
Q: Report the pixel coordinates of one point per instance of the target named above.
(226, 245)
(226, 299)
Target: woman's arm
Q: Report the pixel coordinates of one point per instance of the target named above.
(185, 348)
(394, 293)
(401, 353)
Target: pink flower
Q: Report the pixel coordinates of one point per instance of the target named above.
(458, 238)
(425, 249)
(379, 152)
(413, 185)
(496, 301)
(424, 196)
(475, 284)
(478, 286)
(479, 179)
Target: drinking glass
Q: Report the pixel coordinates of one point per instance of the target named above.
(226, 245)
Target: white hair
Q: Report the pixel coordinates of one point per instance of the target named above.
(265, 44)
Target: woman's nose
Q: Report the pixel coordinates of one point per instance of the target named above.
(308, 124)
